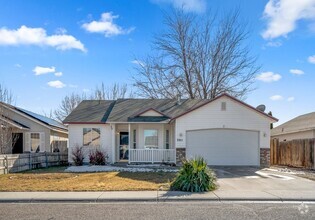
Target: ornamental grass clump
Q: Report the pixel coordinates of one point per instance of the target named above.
(194, 176)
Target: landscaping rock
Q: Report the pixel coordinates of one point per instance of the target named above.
(84, 169)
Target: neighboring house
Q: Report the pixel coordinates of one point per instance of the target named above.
(224, 130)
(33, 132)
(301, 127)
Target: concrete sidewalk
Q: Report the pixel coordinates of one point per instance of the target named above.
(158, 196)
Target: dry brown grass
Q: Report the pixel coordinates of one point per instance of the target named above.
(54, 179)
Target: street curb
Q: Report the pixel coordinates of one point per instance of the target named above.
(161, 200)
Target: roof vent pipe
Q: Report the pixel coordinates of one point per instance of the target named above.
(178, 99)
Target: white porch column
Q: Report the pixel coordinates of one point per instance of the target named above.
(129, 141)
(113, 145)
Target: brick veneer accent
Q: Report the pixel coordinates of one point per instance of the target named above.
(264, 157)
(180, 155)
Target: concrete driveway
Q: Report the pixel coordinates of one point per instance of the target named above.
(252, 183)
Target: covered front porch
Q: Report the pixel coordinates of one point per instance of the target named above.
(143, 143)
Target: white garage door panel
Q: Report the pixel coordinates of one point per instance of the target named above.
(224, 146)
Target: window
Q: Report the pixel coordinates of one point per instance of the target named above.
(134, 139)
(223, 106)
(91, 136)
(35, 142)
(151, 138)
(167, 139)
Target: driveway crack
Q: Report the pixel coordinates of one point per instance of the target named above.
(96, 200)
(217, 196)
(273, 195)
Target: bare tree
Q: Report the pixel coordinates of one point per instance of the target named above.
(6, 96)
(70, 102)
(112, 92)
(198, 58)
(8, 134)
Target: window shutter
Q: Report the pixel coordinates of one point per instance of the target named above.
(27, 146)
(42, 142)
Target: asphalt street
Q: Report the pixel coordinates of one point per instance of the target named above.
(165, 210)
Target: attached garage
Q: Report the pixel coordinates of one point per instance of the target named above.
(224, 147)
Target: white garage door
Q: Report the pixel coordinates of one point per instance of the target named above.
(224, 147)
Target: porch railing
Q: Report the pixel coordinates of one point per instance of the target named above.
(152, 156)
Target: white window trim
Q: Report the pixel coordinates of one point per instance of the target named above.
(28, 141)
(39, 141)
(151, 147)
(91, 141)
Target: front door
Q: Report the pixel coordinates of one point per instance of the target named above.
(123, 145)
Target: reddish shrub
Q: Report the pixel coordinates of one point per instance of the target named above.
(97, 157)
(77, 156)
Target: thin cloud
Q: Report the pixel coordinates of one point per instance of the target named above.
(58, 74)
(282, 16)
(311, 59)
(296, 71)
(56, 84)
(106, 26)
(268, 77)
(39, 70)
(38, 37)
(138, 62)
(290, 99)
(198, 6)
(274, 44)
(276, 98)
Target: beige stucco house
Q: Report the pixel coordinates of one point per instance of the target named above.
(301, 127)
(33, 132)
(223, 130)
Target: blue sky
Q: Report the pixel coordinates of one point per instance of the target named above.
(51, 48)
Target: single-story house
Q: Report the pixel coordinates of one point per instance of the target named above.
(223, 130)
(301, 127)
(33, 132)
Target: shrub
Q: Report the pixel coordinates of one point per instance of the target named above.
(77, 156)
(194, 176)
(97, 157)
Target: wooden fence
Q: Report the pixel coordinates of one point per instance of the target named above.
(296, 153)
(11, 163)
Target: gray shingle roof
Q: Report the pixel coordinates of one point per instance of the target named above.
(148, 119)
(13, 122)
(300, 123)
(128, 110)
(124, 110)
(90, 111)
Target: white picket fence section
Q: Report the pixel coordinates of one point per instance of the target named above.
(152, 156)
